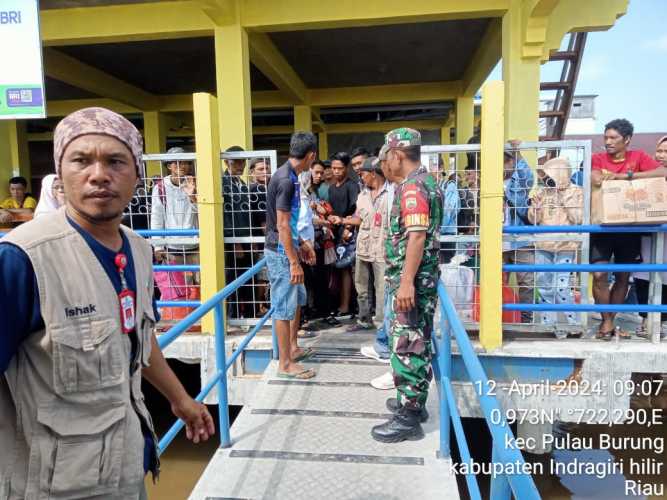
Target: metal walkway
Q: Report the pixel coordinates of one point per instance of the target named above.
(311, 439)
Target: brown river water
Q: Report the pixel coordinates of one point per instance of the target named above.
(183, 462)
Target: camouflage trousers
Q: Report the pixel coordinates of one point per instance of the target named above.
(411, 349)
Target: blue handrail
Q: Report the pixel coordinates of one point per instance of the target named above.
(172, 268)
(167, 232)
(626, 308)
(220, 378)
(522, 485)
(588, 268)
(584, 228)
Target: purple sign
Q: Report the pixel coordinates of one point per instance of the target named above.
(24, 97)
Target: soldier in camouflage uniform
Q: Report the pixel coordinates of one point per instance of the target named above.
(412, 275)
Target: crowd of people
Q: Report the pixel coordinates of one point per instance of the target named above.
(360, 237)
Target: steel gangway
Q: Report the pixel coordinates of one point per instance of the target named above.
(305, 439)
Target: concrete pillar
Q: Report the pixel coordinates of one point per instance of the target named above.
(155, 139)
(522, 81)
(491, 217)
(6, 167)
(209, 199)
(303, 118)
(232, 70)
(323, 145)
(465, 119)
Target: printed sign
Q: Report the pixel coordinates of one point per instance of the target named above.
(21, 72)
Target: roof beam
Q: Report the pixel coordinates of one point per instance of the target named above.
(67, 69)
(288, 15)
(124, 23)
(486, 57)
(386, 94)
(67, 106)
(274, 99)
(349, 128)
(270, 61)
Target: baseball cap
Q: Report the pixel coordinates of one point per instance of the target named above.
(403, 138)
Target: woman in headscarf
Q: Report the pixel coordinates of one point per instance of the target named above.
(52, 196)
(642, 279)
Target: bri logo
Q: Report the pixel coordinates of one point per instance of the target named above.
(10, 17)
(73, 312)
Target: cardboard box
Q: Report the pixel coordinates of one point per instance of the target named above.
(640, 201)
(650, 200)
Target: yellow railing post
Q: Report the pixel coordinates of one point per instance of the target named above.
(491, 217)
(209, 200)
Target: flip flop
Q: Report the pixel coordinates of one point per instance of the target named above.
(303, 375)
(604, 335)
(307, 353)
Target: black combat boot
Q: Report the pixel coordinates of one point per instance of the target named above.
(393, 406)
(404, 425)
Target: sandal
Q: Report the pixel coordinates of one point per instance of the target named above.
(332, 321)
(307, 353)
(604, 335)
(642, 331)
(303, 375)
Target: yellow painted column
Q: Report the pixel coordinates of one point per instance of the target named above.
(303, 118)
(6, 168)
(521, 76)
(155, 139)
(465, 119)
(323, 145)
(209, 200)
(232, 71)
(18, 141)
(491, 216)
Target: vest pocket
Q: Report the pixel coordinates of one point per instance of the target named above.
(87, 356)
(147, 327)
(81, 449)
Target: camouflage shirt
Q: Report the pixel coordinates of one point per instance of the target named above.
(417, 207)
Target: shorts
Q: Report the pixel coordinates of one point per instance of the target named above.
(285, 296)
(624, 247)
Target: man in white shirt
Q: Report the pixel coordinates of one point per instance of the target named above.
(174, 206)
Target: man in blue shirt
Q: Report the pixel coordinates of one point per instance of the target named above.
(283, 201)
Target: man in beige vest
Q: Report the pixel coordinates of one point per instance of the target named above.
(371, 218)
(76, 333)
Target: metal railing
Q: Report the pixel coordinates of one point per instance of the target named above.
(522, 485)
(215, 303)
(654, 308)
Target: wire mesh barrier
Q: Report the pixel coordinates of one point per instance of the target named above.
(544, 183)
(246, 175)
(165, 210)
(653, 305)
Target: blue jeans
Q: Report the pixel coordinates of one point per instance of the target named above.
(381, 337)
(285, 297)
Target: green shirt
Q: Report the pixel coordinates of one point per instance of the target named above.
(417, 207)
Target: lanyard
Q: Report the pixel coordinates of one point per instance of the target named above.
(125, 297)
